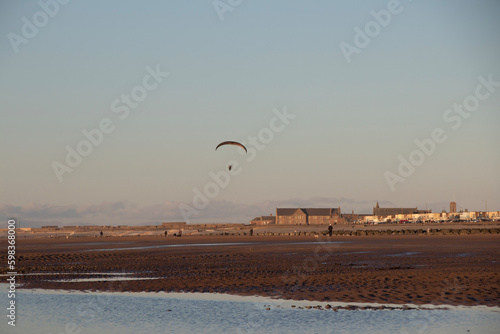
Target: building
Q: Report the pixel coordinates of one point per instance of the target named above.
(306, 216)
(378, 211)
(174, 225)
(453, 207)
(353, 217)
(263, 220)
(322, 216)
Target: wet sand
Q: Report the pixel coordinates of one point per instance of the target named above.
(399, 269)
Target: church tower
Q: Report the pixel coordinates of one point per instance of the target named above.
(453, 207)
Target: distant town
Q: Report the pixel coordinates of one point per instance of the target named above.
(334, 216)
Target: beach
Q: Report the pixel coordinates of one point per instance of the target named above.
(396, 269)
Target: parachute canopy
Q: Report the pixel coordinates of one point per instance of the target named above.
(231, 143)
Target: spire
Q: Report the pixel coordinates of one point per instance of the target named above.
(377, 205)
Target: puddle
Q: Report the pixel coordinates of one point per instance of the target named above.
(93, 244)
(73, 273)
(105, 279)
(169, 246)
(404, 254)
(350, 253)
(212, 244)
(464, 254)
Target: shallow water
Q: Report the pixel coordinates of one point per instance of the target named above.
(168, 246)
(404, 254)
(71, 273)
(45, 311)
(104, 279)
(210, 244)
(92, 243)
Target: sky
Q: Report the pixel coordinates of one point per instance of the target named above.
(110, 112)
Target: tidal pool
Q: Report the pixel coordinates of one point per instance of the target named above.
(47, 311)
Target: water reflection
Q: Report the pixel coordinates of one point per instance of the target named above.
(212, 244)
(105, 279)
(44, 311)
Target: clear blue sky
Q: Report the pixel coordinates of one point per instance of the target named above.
(353, 119)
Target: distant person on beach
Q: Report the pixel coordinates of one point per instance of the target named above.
(166, 233)
(330, 230)
(101, 234)
(251, 231)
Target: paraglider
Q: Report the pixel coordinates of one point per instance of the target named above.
(231, 143)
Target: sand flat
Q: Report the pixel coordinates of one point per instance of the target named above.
(396, 269)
